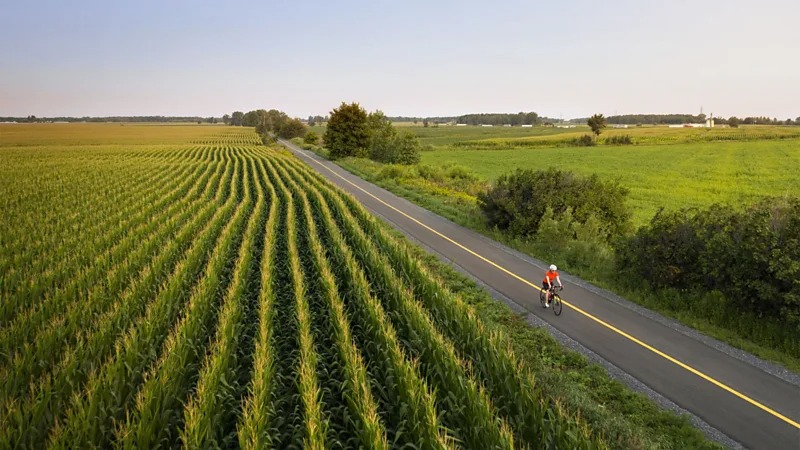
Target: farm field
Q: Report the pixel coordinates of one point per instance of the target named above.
(219, 293)
(666, 168)
(668, 176)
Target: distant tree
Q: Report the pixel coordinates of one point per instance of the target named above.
(734, 122)
(226, 119)
(311, 121)
(597, 122)
(291, 128)
(251, 119)
(199, 122)
(425, 123)
(262, 122)
(347, 133)
(237, 119)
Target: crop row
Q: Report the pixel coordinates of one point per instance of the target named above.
(242, 300)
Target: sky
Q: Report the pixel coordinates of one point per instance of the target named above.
(430, 58)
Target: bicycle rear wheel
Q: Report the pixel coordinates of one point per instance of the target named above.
(557, 304)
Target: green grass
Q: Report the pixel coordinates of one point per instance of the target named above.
(674, 176)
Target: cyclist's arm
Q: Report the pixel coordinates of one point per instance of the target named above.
(558, 278)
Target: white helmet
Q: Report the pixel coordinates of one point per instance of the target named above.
(553, 267)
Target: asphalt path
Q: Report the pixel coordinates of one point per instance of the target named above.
(753, 403)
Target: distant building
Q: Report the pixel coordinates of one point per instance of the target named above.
(461, 124)
(526, 126)
(486, 125)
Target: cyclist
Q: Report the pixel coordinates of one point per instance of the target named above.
(547, 282)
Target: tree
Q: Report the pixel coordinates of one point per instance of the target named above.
(311, 122)
(250, 119)
(597, 122)
(425, 123)
(733, 122)
(237, 118)
(380, 136)
(291, 128)
(347, 133)
(226, 119)
(405, 148)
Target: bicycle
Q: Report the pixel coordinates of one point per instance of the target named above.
(555, 300)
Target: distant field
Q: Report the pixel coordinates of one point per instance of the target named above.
(37, 134)
(672, 176)
(667, 167)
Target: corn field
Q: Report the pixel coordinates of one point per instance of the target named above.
(223, 294)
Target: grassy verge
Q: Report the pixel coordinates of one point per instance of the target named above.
(735, 329)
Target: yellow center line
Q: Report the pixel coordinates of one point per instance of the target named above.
(576, 308)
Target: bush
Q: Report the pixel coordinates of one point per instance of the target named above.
(584, 141)
(519, 200)
(751, 256)
(311, 138)
(619, 140)
(404, 149)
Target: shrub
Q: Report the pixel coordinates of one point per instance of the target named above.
(311, 138)
(751, 256)
(393, 171)
(619, 140)
(584, 141)
(405, 149)
(519, 200)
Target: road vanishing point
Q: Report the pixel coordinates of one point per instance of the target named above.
(749, 402)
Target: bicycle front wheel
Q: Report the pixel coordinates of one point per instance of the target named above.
(557, 304)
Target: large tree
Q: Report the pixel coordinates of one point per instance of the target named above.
(237, 118)
(597, 122)
(291, 128)
(347, 133)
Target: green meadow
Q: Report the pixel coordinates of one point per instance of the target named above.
(668, 176)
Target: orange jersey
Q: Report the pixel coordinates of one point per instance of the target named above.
(549, 275)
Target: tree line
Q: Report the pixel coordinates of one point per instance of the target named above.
(520, 118)
(268, 123)
(677, 119)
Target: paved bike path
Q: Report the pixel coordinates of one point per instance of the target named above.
(751, 406)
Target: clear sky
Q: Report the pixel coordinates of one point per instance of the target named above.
(404, 57)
